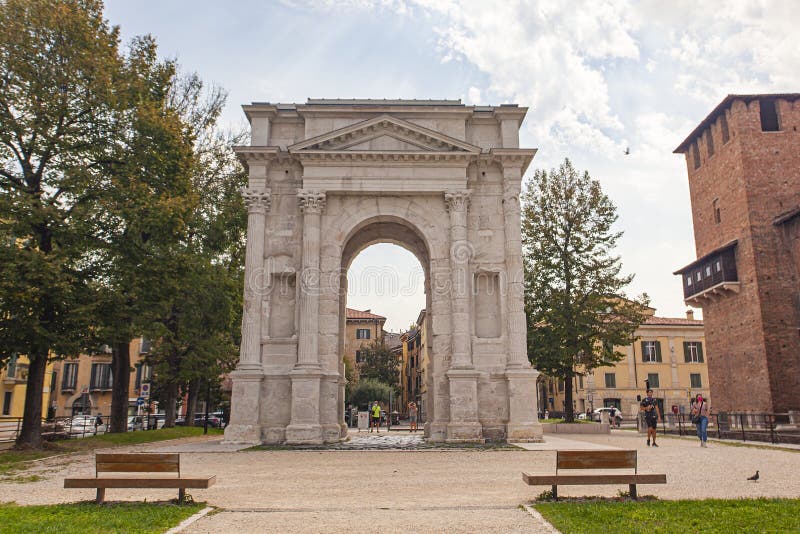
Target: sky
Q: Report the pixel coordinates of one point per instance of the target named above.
(599, 77)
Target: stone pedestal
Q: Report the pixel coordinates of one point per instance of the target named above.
(244, 426)
(464, 425)
(305, 428)
(523, 424)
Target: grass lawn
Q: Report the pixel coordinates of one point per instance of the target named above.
(12, 460)
(85, 518)
(707, 516)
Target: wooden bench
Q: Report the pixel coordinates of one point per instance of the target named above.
(594, 460)
(138, 463)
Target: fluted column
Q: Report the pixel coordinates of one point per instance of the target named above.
(304, 427)
(523, 424)
(460, 254)
(245, 420)
(312, 203)
(515, 275)
(258, 204)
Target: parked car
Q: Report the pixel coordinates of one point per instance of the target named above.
(213, 420)
(607, 410)
(135, 422)
(84, 425)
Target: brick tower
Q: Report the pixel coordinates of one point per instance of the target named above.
(744, 178)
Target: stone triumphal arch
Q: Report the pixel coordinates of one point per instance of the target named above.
(328, 178)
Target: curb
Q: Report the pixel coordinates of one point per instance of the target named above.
(536, 515)
(188, 521)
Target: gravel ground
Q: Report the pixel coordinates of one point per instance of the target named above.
(420, 490)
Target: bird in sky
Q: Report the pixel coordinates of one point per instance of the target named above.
(627, 150)
(754, 478)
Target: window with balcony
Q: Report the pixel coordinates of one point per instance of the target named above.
(693, 352)
(69, 378)
(695, 380)
(651, 351)
(101, 376)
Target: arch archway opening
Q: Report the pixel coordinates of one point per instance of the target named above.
(385, 294)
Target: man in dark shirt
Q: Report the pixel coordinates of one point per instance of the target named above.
(651, 416)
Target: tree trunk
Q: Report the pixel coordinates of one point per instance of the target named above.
(170, 399)
(30, 435)
(121, 379)
(191, 401)
(569, 412)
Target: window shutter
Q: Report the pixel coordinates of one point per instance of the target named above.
(643, 350)
(686, 356)
(700, 352)
(658, 351)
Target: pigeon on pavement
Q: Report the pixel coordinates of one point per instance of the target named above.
(754, 478)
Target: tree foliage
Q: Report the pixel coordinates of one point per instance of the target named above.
(119, 207)
(59, 73)
(369, 390)
(574, 297)
(380, 364)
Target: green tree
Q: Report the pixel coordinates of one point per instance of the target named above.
(369, 390)
(59, 68)
(574, 296)
(380, 364)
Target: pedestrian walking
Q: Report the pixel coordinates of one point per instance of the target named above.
(700, 411)
(652, 414)
(412, 416)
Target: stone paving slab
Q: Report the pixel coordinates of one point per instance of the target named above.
(212, 446)
(554, 443)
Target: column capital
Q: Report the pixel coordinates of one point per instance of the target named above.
(457, 200)
(257, 201)
(311, 201)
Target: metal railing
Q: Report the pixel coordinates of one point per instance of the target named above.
(72, 427)
(762, 427)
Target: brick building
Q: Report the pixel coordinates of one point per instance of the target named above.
(743, 162)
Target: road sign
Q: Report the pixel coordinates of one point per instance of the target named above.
(144, 391)
(140, 401)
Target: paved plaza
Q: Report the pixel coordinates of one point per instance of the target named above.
(443, 490)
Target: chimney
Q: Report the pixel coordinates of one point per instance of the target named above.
(690, 314)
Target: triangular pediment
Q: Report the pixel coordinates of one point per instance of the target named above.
(384, 134)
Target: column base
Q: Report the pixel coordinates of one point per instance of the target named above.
(524, 433)
(331, 433)
(273, 435)
(243, 434)
(465, 433)
(304, 435)
(435, 432)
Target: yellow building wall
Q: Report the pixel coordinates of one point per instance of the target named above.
(17, 386)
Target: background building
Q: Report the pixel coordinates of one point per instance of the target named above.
(362, 329)
(82, 385)
(13, 385)
(669, 352)
(743, 162)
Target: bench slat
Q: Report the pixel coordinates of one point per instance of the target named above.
(136, 468)
(188, 482)
(596, 459)
(591, 480)
(141, 457)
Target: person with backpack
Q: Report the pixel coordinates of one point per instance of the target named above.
(700, 413)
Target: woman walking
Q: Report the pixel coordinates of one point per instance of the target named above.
(700, 418)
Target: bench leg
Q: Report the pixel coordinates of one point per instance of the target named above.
(101, 495)
(181, 495)
(632, 491)
(555, 492)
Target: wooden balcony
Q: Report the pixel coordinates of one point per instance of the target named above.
(712, 277)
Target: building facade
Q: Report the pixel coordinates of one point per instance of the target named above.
(669, 354)
(327, 179)
(743, 162)
(362, 329)
(13, 385)
(82, 385)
